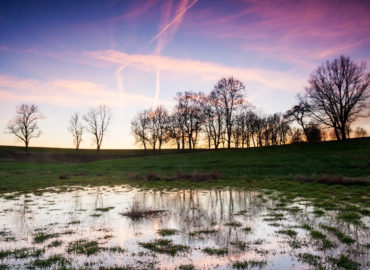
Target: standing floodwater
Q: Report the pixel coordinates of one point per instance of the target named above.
(184, 229)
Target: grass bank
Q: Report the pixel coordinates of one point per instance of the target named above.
(268, 167)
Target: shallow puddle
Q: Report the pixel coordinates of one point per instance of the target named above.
(184, 229)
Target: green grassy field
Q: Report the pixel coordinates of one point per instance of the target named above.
(239, 167)
(267, 170)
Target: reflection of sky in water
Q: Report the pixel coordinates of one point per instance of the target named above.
(187, 211)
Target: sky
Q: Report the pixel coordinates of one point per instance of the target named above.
(69, 56)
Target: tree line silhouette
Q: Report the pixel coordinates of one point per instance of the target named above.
(337, 94)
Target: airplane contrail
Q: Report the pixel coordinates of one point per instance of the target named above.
(160, 44)
(165, 28)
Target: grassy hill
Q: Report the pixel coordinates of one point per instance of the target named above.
(350, 159)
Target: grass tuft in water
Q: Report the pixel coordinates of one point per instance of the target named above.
(205, 231)
(167, 232)
(249, 264)
(350, 217)
(344, 262)
(310, 259)
(215, 251)
(288, 232)
(247, 229)
(59, 260)
(104, 209)
(55, 243)
(164, 246)
(186, 267)
(341, 236)
(42, 237)
(233, 224)
(239, 244)
(84, 246)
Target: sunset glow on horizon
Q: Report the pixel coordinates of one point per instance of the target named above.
(66, 57)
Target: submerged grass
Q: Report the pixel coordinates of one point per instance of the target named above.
(288, 232)
(21, 253)
(57, 260)
(344, 262)
(167, 232)
(249, 264)
(84, 246)
(204, 231)
(341, 236)
(42, 237)
(215, 251)
(165, 246)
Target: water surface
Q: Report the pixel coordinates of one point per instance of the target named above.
(240, 225)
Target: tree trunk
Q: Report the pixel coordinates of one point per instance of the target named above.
(343, 133)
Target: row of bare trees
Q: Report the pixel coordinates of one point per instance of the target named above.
(222, 118)
(25, 126)
(96, 122)
(338, 94)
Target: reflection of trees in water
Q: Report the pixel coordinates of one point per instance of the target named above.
(98, 203)
(23, 214)
(197, 209)
(192, 210)
(77, 204)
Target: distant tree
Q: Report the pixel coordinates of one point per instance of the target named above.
(160, 122)
(360, 132)
(97, 122)
(296, 135)
(213, 116)
(230, 92)
(152, 127)
(24, 125)
(76, 129)
(283, 130)
(175, 129)
(338, 93)
(301, 114)
(313, 133)
(189, 107)
(140, 128)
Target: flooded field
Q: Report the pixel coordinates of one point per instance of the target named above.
(126, 228)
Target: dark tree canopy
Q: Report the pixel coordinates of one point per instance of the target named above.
(24, 125)
(338, 93)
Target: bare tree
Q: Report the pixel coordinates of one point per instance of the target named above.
(76, 129)
(213, 119)
(301, 114)
(360, 132)
(160, 120)
(189, 106)
(152, 127)
(24, 125)
(230, 91)
(175, 129)
(97, 122)
(338, 93)
(296, 136)
(140, 128)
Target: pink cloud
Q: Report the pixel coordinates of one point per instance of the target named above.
(196, 70)
(66, 93)
(302, 29)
